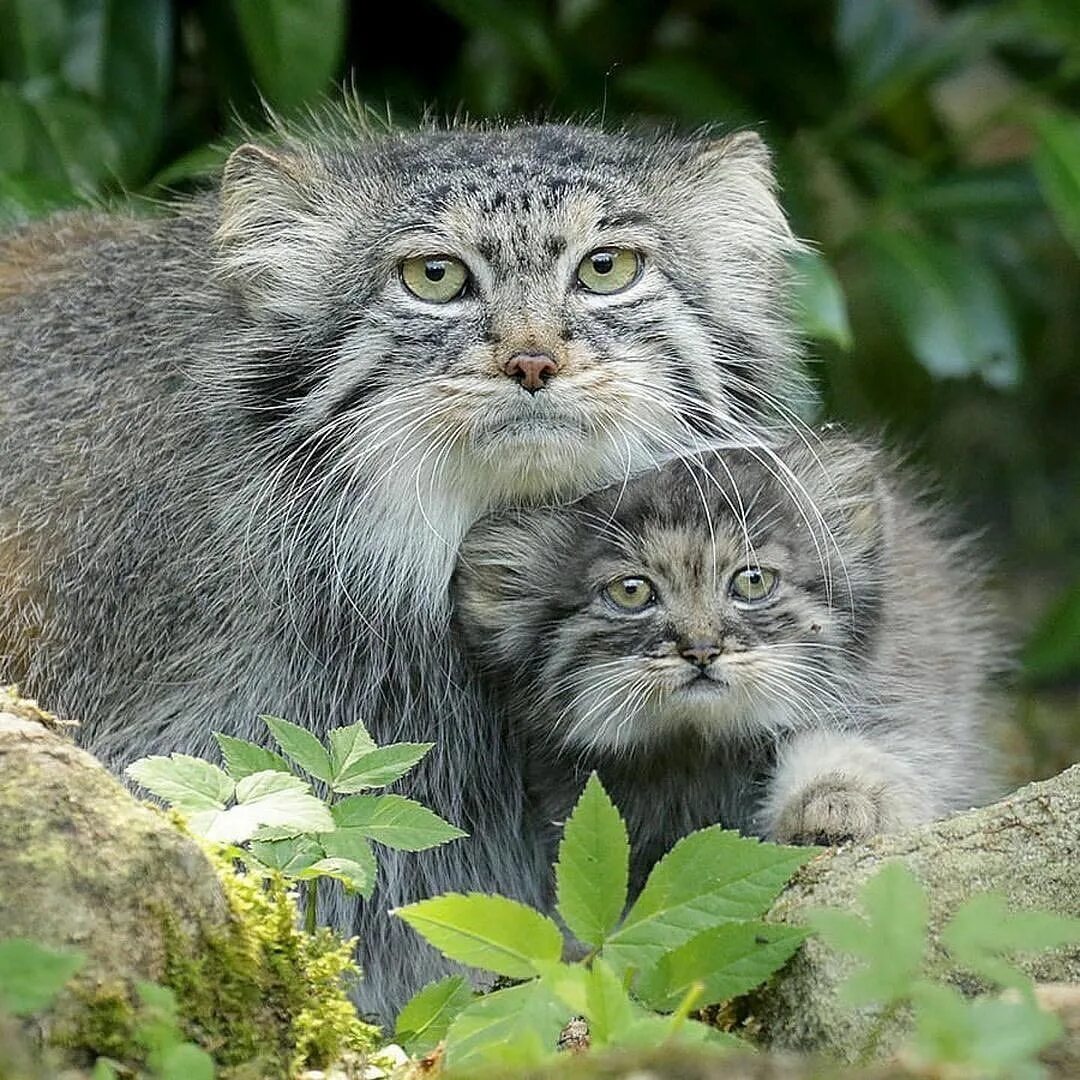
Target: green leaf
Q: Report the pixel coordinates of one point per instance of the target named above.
(295, 46)
(518, 1027)
(394, 821)
(426, 1019)
(380, 767)
(892, 937)
(300, 745)
(243, 758)
(31, 975)
(592, 871)
(608, 1006)
(103, 1070)
(1057, 167)
(709, 877)
(950, 306)
(348, 844)
(983, 929)
(188, 783)
(988, 1037)
(819, 300)
(356, 877)
(726, 961)
(491, 932)
(596, 993)
(265, 798)
(347, 745)
(290, 855)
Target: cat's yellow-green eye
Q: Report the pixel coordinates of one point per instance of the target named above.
(609, 270)
(436, 278)
(753, 584)
(630, 593)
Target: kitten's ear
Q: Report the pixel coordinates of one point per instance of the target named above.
(274, 231)
(501, 584)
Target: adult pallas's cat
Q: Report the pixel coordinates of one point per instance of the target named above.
(786, 645)
(241, 439)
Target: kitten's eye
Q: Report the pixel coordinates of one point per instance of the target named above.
(753, 584)
(631, 593)
(609, 270)
(436, 278)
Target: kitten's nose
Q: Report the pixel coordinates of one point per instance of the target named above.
(702, 653)
(532, 370)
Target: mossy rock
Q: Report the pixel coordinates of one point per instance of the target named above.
(85, 866)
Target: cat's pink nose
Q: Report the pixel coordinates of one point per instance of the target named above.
(532, 370)
(701, 653)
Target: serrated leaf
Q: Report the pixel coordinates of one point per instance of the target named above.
(568, 982)
(426, 1019)
(592, 872)
(347, 745)
(650, 1030)
(983, 930)
(711, 876)
(31, 975)
(290, 856)
(726, 961)
(356, 877)
(608, 1006)
(301, 746)
(819, 300)
(483, 931)
(892, 937)
(266, 798)
(394, 821)
(380, 767)
(188, 783)
(242, 758)
(517, 1027)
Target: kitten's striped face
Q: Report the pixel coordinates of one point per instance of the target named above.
(529, 310)
(697, 598)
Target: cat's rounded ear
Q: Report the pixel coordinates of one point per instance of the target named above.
(502, 581)
(745, 150)
(274, 232)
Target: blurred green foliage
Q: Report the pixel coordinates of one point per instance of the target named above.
(931, 149)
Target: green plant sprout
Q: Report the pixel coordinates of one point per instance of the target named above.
(281, 825)
(992, 1037)
(692, 937)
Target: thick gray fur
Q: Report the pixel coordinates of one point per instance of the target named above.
(238, 457)
(852, 700)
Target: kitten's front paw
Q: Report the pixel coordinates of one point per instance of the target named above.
(833, 810)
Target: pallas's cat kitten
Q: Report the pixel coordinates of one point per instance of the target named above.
(785, 646)
(242, 439)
